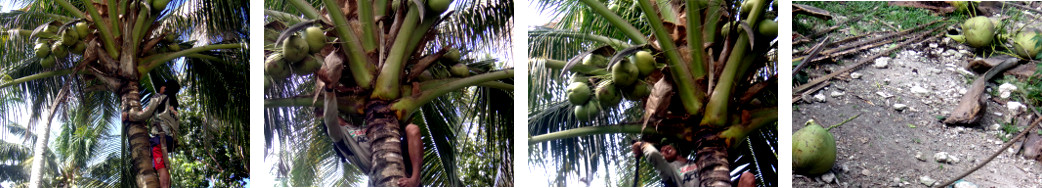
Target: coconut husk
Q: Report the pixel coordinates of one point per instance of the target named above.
(970, 106)
(1032, 147)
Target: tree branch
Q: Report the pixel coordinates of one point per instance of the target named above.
(407, 105)
(153, 63)
(37, 76)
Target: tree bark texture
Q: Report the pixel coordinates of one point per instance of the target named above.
(137, 136)
(383, 131)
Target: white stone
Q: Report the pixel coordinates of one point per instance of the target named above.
(919, 90)
(836, 94)
(900, 107)
(884, 94)
(855, 75)
(941, 157)
(926, 180)
(994, 127)
(819, 97)
(965, 184)
(881, 62)
(1015, 108)
(1006, 89)
(828, 177)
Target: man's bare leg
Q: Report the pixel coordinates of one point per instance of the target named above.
(164, 177)
(412, 137)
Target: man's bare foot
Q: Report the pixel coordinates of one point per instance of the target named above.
(409, 182)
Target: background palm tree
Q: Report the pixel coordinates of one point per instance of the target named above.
(84, 155)
(128, 46)
(718, 109)
(466, 123)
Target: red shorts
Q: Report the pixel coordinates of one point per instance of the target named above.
(157, 157)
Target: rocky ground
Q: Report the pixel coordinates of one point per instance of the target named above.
(898, 140)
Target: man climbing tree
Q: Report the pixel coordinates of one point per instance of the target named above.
(163, 106)
(675, 169)
(356, 148)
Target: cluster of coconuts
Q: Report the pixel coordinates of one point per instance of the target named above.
(625, 80)
(813, 149)
(980, 32)
(55, 42)
(294, 57)
(765, 27)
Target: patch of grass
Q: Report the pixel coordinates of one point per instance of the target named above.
(917, 141)
(911, 126)
(1008, 129)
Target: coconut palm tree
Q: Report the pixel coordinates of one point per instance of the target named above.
(83, 154)
(381, 65)
(700, 74)
(108, 54)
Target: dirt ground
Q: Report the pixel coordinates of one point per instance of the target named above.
(890, 146)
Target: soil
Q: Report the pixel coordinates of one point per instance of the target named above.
(880, 148)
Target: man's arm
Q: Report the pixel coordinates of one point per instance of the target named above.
(667, 172)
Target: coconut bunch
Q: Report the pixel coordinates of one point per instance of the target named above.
(981, 32)
(591, 93)
(56, 40)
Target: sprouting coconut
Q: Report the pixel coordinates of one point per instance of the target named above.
(578, 93)
(316, 39)
(624, 73)
(294, 48)
(979, 31)
(1026, 45)
(813, 149)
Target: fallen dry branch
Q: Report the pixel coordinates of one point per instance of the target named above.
(807, 88)
(970, 106)
(843, 50)
(1004, 147)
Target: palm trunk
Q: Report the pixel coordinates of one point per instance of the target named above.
(137, 136)
(712, 161)
(42, 136)
(385, 137)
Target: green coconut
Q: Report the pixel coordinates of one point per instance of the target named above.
(1025, 45)
(81, 29)
(275, 66)
(307, 66)
(595, 60)
(768, 28)
(460, 70)
(637, 92)
(645, 63)
(576, 77)
(747, 6)
(439, 6)
(813, 150)
(79, 48)
(267, 82)
(725, 29)
(47, 62)
(294, 48)
(578, 93)
(316, 39)
(452, 54)
(425, 75)
(624, 73)
(174, 47)
(159, 4)
(606, 93)
(587, 111)
(59, 49)
(42, 49)
(69, 36)
(50, 29)
(979, 31)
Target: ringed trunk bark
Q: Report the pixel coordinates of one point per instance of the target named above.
(712, 161)
(137, 136)
(384, 134)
